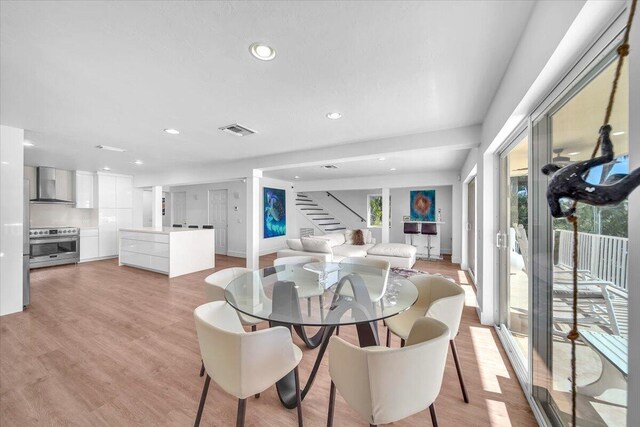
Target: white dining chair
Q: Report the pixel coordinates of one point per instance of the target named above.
(305, 292)
(241, 363)
(376, 281)
(438, 298)
(386, 385)
(214, 287)
(216, 283)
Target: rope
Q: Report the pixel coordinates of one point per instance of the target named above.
(623, 51)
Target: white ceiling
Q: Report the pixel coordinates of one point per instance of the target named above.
(408, 162)
(79, 74)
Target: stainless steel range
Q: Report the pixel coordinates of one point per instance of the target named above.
(54, 246)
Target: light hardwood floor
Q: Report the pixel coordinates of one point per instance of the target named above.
(109, 345)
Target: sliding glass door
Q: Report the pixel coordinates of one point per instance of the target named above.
(513, 242)
(564, 134)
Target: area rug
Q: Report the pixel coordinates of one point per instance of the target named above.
(409, 272)
(406, 272)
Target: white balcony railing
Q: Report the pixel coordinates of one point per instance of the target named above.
(606, 257)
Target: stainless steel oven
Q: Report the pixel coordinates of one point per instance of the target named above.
(53, 246)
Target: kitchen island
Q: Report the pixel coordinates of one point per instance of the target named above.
(170, 251)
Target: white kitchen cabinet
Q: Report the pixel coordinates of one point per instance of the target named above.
(106, 191)
(124, 192)
(115, 210)
(85, 190)
(171, 251)
(89, 244)
(108, 229)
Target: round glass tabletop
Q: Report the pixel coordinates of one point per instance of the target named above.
(321, 294)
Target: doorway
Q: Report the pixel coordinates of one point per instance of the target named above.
(179, 208)
(513, 242)
(471, 227)
(218, 218)
(147, 202)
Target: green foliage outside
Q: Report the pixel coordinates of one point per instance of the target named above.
(608, 221)
(375, 211)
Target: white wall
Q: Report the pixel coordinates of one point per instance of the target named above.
(400, 207)
(11, 220)
(356, 200)
(198, 211)
(273, 244)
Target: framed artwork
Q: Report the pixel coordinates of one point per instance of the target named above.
(275, 213)
(423, 205)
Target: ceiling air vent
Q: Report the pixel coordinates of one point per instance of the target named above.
(329, 167)
(237, 130)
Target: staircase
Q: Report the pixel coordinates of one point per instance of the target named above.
(322, 219)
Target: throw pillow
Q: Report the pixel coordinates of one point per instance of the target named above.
(366, 233)
(358, 238)
(295, 244)
(316, 245)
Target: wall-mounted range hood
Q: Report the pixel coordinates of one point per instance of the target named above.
(46, 187)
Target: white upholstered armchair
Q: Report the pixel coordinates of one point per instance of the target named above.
(243, 364)
(438, 298)
(385, 385)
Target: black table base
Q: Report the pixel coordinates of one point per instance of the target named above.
(286, 303)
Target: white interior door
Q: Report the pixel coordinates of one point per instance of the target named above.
(179, 208)
(147, 201)
(218, 218)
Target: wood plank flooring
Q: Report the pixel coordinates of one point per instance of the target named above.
(104, 345)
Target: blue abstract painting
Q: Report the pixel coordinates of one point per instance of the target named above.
(275, 212)
(423, 205)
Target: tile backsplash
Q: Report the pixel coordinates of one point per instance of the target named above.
(42, 215)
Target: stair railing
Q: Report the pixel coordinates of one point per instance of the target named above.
(351, 210)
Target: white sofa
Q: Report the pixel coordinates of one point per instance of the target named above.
(337, 246)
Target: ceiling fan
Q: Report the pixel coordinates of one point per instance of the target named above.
(559, 157)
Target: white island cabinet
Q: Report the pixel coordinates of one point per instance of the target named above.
(171, 251)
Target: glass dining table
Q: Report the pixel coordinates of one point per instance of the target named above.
(324, 295)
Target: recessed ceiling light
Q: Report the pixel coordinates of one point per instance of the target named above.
(262, 52)
(382, 159)
(106, 168)
(109, 148)
(334, 116)
(138, 162)
(296, 177)
(617, 133)
(575, 153)
(172, 131)
(28, 144)
(392, 169)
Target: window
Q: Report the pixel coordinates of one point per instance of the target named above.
(374, 210)
(567, 131)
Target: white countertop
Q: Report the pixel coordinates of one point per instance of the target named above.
(163, 230)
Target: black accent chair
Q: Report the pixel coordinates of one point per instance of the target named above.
(207, 227)
(177, 225)
(193, 226)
